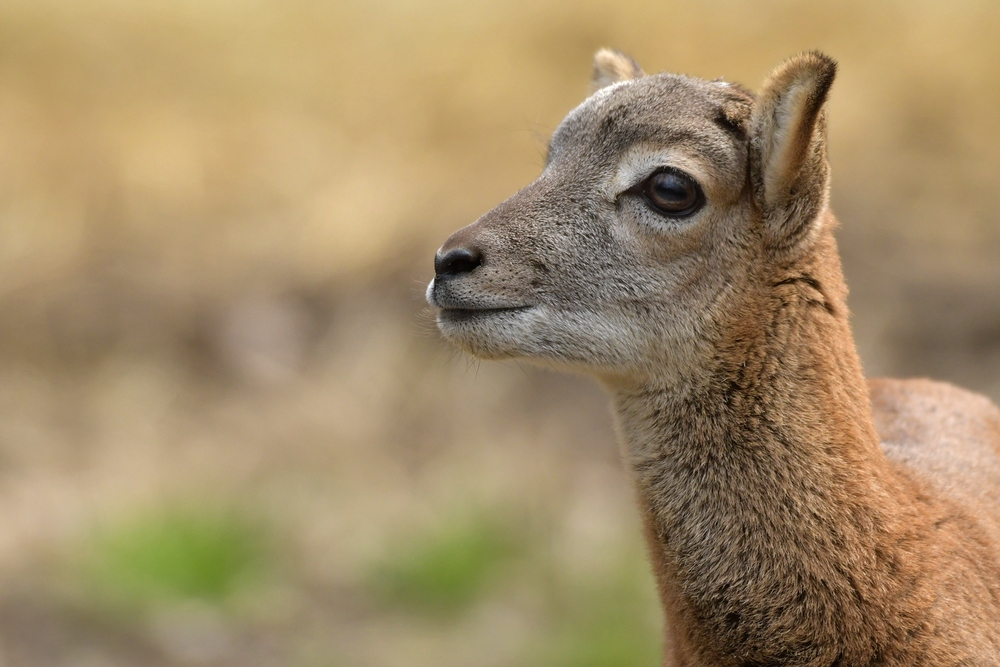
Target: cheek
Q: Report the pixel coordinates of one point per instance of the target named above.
(670, 242)
(656, 241)
(572, 270)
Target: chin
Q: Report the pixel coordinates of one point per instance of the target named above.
(483, 334)
(532, 334)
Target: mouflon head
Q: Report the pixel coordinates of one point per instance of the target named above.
(668, 204)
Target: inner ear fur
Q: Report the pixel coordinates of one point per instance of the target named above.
(612, 66)
(788, 141)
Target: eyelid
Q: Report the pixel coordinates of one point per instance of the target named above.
(642, 161)
(639, 191)
(636, 188)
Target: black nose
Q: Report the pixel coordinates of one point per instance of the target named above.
(456, 262)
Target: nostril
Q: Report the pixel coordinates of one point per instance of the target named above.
(457, 261)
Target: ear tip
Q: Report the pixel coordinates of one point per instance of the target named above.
(818, 56)
(613, 60)
(611, 66)
(607, 56)
(826, 65)
(816, 63)
(813, 68)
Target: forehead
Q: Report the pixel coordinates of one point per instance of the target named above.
(703, 117)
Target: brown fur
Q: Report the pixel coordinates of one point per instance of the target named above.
(783, 530)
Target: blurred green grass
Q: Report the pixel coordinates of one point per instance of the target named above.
(175, 555)
(609, 619)
(446, 570)
(605, 616)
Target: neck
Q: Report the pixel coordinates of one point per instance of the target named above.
(770, 507)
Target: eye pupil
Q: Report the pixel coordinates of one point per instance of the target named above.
(670, 191)
(673, 194)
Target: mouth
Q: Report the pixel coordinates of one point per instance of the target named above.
(469, 314)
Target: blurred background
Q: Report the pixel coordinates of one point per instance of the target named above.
(229, 434)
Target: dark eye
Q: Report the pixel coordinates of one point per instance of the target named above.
(673, 194)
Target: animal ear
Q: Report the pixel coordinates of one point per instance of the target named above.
(611, 67)
(788, 142)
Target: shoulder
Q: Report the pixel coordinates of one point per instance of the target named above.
(916, 409)
(947, 436)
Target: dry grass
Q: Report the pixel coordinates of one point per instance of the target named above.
(216, 220)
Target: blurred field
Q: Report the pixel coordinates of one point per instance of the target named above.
(228, 432)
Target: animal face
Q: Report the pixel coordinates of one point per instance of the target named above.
(624, 256)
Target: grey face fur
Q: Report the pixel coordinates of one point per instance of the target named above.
(578, 270)
(587, 272)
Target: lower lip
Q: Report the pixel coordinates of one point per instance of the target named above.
(464, 314)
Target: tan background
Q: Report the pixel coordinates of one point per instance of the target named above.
(228, 432)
